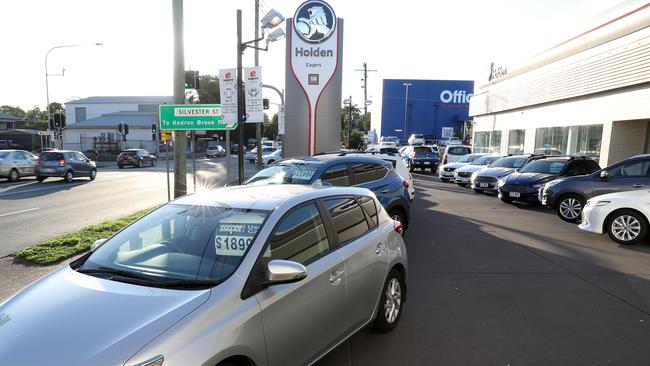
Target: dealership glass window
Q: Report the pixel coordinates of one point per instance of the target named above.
(487, 142)
(551, 140)
(589, 140)
(516, 141)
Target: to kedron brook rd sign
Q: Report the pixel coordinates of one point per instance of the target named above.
(192, 117)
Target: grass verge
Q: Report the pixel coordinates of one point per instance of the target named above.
(55, 250)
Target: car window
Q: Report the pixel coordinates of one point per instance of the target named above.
(422, 149)
(5, 155)
(348, 219)
(631, 169)
(288, 173)
(81, 157)
(370, 207)
(50, 156)
(508, 162)
(544, 166)
(337, 176)
(182, 242)
(485, 160)
(300, 236)
(458, 150)
(381, 171)
(364, 173)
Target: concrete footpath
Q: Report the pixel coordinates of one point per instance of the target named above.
(16, 274)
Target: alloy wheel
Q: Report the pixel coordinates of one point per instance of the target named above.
(13, 176)
(570, 208)
(393, 302)
(626, 228)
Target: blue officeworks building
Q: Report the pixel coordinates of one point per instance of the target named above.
(430, 106)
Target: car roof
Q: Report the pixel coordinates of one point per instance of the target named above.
(264, 197)
(325, 158)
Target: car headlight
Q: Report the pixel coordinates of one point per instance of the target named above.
(154, 361)
(602, 203)
(538, 186)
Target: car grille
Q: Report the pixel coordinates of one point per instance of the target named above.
(449, 169)
(464, 174)
(517, 188)
(486, 179)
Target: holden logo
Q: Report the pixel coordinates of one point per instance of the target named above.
(253, 74)
(314, 21)
(228, 75)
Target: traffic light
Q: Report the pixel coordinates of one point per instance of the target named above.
(154, 131)
(50, 123)
(58, 120)
(191, 79)
(265, 103)
(126, 129)
(120, 128)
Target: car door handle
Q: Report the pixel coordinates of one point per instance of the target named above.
(335, 277)
(638, 185)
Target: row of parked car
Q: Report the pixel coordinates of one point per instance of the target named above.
(610, 200)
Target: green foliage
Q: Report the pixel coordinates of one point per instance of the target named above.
(37, 115)
(13, 111)
(356, 140)
(270, 129)
(56, 107)
(345, 116)
(208, 90)
(55, 250)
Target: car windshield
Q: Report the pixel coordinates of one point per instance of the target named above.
(129, 152)
(4, 154)
(468, 158)
(180, 242)
(458, 150)
(509, 162)
(486, 160)
(418, 136)
(422, 149)
(288, 173)
(544, 166)
(50, 156)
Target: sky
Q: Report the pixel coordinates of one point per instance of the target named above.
(406, 39)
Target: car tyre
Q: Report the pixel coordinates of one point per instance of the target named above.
(478, 190)
(153, 162)
(270, 162)
(390, 303)
(627, 227)
(569, 207)
(140, 164)
(398, 215)
(120, 166)
(14, 175)
(68, 176)
(93, 174)
(40, 178)
(445, 180)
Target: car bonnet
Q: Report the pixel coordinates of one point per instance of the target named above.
(72, 318)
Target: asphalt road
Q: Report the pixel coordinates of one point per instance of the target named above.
(497, 284)
(31, 212)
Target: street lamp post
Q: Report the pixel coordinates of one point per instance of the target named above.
(348, 102)
(271, 20)
(47, 82)
(406, 103)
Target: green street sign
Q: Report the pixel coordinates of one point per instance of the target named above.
(192, 117)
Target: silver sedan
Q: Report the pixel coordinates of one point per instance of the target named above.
(248, 275)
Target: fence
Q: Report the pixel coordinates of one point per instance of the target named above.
(89, 144)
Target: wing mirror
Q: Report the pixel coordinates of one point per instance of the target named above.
(604, 175)
(281, 271)
(96, 244)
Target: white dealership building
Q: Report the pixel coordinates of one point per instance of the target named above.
(589, 95)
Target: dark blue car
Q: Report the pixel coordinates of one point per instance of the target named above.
(339, 170)
(524, 184)
(421, 157)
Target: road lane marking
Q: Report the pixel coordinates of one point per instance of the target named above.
(21, 211)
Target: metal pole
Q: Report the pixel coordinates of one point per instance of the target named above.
(406, 103)
(194, 161)
(349, 121)
(258, 127)
(227, 157)
(169, 196)
(180, 141)
(47, 96)
(240, 101)
(365, 94)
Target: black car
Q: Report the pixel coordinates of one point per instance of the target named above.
(524, 185)
(64, 164)
(135, 157)
(569, 195)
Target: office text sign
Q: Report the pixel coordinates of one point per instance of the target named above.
(192, 117)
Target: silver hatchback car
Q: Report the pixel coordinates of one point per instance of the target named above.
(247, 275)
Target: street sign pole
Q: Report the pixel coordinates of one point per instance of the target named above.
(169, 196)
(194, 160)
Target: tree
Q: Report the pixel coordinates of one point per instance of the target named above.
(56, 107)
(270, 129)
(345, 115)
(36, 115)
(356, 140)
(13, 111)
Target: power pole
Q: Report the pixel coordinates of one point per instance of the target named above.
(180, 141)
(258, 128)
(240, 101)
(365, 93)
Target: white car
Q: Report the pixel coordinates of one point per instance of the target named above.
(398, 165)
(446, 172)
(251, 156)
(463, 176)
(416, 139)
(215, 151)
(389, 141)
(622, 215)
(455, 152)
(271, 158)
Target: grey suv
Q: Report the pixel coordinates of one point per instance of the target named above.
(569, 195)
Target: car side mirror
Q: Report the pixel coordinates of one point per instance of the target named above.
(604, 175)
(281, 271)
(96, 244)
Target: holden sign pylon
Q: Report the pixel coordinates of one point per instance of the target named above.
(313, 80)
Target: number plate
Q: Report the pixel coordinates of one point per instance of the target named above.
(234, 239)
(463, 179)
(427, 163)
(483, 185)
(49, 170)
(514, 194)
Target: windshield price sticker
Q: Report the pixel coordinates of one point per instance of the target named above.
(233, 239)
(302, 174)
